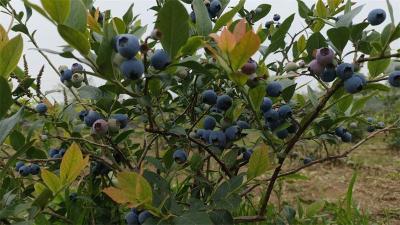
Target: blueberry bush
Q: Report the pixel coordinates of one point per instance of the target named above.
(197, 119)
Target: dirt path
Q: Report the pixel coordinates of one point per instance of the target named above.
(377, 189)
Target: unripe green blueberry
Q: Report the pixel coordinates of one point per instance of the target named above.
(291, 66)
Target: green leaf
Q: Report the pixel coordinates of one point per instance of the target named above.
(235, 110)
(7, 125)
(128, 16)
(90, 92)
(77, 18)
(357, 31)
(247, 47)
(58, 10)
(312, 96)
(339, 41)
(304, 11)
(288, 92)
(349, 195)
(261, 11)
(390, 9)
(346, 19)
(105, 52)
(256, 96)
(193, 218)
(51, 180)
(10, 53)
(345, 102)
(72, 164)
(321, 10)
(191, 46)
(5, 97)
(315, 41)
(203, 21)
(377, 67)
(278, 38)
(38, 9)
(225, 18)
(314, 208)
(76, 39)
(173, 22)
(259, 162)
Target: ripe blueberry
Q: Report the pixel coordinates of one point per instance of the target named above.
(276, 17)
(122, 119)
(329, 73)
(193, 17)
(376, 17)
(100, 127)
(34, 169)
(127, 45)
(339, 131)
(370, 120)
(285, 111)
(53, 152)
(143, 216)
(371, 128)
(268, 24)
(224, 102)
(209, 123)
(353, 85)
(180, 156)
(205, 135)
(282, 134)
(247, 154)
(232, 133)
(274, 89)
(394, 79)
(66, 75)
(271, 115)
(209, 97)
(266, 104)
(315, 68)
(243, 124)
(381, 125)
(325, 56)
(82, 114)
(76, 68)
(307, 160)
(362, 77)
(250, 67)
(160, 59)
(132, 69)
(24, 171)
(346, 137)
(18, 165)
(215, 8)
(73, 197)
(345, 71)
(217, 138)
(91, 117)
(41, 108)
(132, 218)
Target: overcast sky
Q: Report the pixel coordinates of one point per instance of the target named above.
(47, 36)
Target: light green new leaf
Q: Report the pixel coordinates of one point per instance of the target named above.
(259, 162)
(51, 180)
(72, 164)
(173, 22)
(58, 10)
(256, 96)
(203, 21)
(10, 53)
(76, 39)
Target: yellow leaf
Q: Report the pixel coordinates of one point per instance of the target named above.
(246, 47)
(132, 189)
(226, 41)
(51, 180)
(39, 188)
(92, 22)
(72, 164)
(240, 29)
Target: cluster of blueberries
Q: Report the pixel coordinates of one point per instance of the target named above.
(275, 19)
(25, 170)
(57, 153)
(344, 134)
(213, 7)
(101, 127)
(324, 65)
(72, 77)
(135, 217)
(127, 46)
(372, 125)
